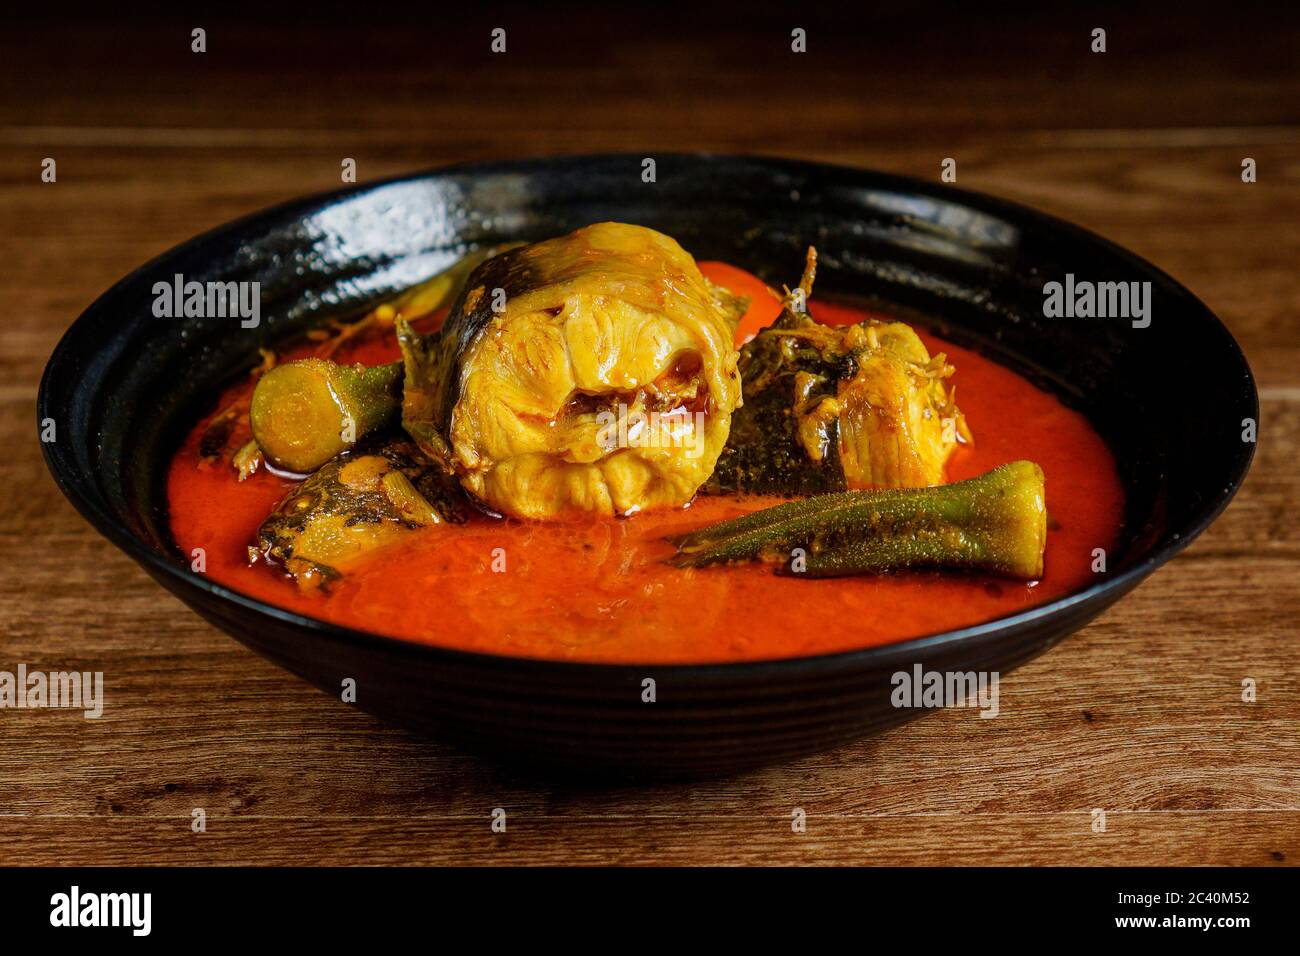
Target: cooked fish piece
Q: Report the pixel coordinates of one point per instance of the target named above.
(898, 421)
(595, 372)
(829, 408)
(352, 506)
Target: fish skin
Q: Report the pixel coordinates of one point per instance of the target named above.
(885, 424)
(346, 510)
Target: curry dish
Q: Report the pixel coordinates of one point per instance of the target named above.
(594, 448)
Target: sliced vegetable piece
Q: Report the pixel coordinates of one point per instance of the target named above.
(311, 410)
(305, 413)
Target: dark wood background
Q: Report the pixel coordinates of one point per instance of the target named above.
(1140, 714)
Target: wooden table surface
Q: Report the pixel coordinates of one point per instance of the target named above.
(1140, 714)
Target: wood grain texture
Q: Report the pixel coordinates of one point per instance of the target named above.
(1140, 714)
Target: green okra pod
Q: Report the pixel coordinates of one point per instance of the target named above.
(304, 413)
(995, 523)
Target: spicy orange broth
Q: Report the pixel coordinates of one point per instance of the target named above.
(599, 590)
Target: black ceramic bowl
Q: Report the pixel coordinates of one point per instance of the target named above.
(123, 386)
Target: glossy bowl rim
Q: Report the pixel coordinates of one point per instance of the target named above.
(1103, 592)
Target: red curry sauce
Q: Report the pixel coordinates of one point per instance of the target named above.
(599, 590)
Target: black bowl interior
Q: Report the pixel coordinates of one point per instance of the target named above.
(123, 386)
